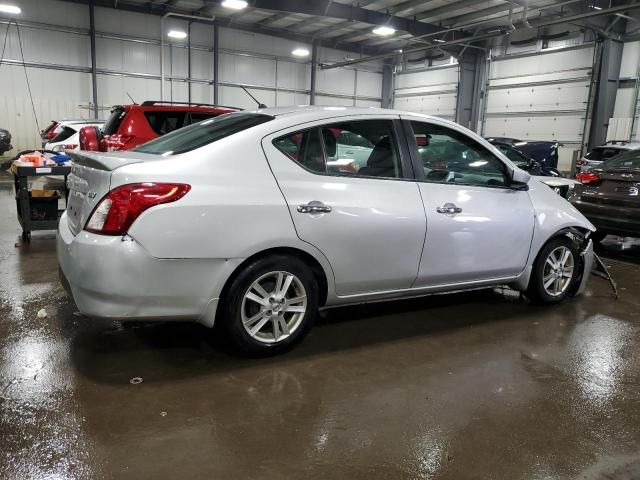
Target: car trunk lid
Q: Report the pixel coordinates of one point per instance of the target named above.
(90, 180)
(619, 187)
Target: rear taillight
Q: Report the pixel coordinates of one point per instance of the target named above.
(52, 131)
(115, 213)
(587, 177)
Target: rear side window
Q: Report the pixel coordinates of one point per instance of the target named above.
(366, 148)
(63, 135)
(203, 133)
(627, 160)
(113, 122)
(165, 122)
(199, 117)
(602, 153)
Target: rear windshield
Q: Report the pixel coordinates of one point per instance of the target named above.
(602, 153)
(63, 135)
(200, 134)
(627, 160)
(113, 122)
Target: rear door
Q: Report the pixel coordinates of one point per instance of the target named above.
(367, 220)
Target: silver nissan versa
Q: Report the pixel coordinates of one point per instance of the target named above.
(252, 221)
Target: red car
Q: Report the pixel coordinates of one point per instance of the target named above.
(132, 125)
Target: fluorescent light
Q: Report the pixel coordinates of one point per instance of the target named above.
(179, 34)
(437, 40)
(595, 7)
(234, 4)
(300, 52)
(4, 8)
(384, 31)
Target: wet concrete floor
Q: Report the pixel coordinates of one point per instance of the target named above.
(467, 386)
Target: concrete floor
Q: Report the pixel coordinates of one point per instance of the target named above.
(466, 386)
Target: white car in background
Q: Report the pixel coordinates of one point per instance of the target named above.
(598, 155)
(68, 134)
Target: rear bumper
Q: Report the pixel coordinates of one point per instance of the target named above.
(611, 219)
(116, 278)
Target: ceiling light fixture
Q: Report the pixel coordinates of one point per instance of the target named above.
(595, 7)
(384, 30)
(178, 34)
(437, 40)
(300, 52)
(235, 4)
(4, 8)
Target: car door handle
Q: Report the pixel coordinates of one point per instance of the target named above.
(449, 209)
(314, 207)
(349, 153)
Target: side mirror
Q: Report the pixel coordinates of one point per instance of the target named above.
(519, 180)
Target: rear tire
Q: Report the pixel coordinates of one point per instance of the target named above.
(555, 271)
(269, 306)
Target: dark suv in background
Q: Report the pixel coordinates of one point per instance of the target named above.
(609, 196)
(132, 125)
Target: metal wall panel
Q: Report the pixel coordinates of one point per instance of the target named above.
(51, 101)
(123, 56)
(336, 80)
(50, 11)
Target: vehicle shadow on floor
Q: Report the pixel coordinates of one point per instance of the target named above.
(165, 351)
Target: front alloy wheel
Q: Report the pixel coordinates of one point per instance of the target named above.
(558, 271)
(555, 270)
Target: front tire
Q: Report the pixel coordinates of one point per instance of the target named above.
(270, 306)
(555, 271)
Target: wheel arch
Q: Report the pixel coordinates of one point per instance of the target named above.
(319, 272)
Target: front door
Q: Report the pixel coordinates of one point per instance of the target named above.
(365, 216)
(477, 227)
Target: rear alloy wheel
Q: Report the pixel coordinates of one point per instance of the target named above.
(270, 305)
(554, 271)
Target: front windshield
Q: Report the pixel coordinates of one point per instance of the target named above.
(627, 160)
(203, 133)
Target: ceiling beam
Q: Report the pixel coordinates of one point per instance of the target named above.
(328, 8)
(162, 9)
(449, 8)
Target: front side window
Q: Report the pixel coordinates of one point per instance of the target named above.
(449, 156)
(365, 148)
(203, 133)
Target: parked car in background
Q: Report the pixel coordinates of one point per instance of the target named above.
(49, 132)
(544, 152)
(609, 195)
(132, 125)
(243, 222)
(598, 155)
(68, 137)
(547, 175)
(5, 141)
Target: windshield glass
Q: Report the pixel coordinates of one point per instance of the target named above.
(203, 133)
(626, 160)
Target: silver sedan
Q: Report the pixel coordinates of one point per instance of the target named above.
(253, 221)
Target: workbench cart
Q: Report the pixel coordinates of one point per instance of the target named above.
(21, 174)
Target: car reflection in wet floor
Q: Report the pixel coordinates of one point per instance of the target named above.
(474, 385)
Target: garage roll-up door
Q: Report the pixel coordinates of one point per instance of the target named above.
(540, 97)
(432, 91)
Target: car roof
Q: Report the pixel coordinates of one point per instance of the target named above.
(620, 146)
(64, 123)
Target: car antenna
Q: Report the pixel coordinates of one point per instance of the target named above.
(131, 98)
(260, 105)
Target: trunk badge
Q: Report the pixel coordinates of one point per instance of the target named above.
(627, 175)
(92, 194)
